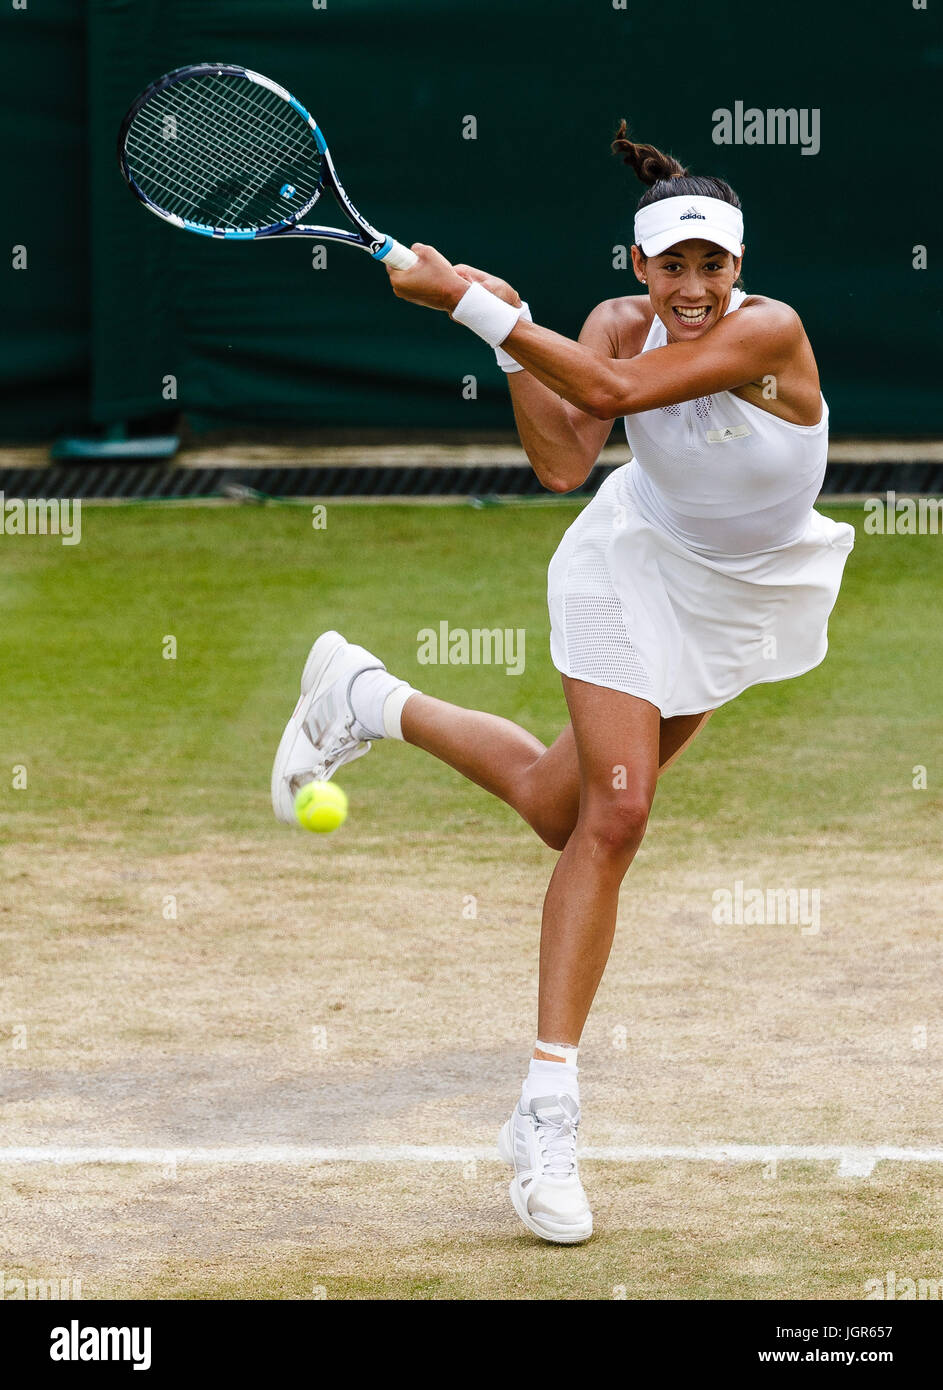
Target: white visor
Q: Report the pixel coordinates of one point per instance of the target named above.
(672, 220)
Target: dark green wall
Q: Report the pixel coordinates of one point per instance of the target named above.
(44, 309)
(114, 300)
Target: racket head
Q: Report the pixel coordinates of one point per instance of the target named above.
(220, 150)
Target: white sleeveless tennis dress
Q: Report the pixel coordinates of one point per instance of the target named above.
(701, 567)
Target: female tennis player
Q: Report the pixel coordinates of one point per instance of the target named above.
(698, 569)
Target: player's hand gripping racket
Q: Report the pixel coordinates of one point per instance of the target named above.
(217, 149)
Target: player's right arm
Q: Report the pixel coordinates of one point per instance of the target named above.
(561, 441)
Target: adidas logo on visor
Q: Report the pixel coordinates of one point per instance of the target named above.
(692, 212)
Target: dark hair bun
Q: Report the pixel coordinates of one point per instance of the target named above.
(650, 164)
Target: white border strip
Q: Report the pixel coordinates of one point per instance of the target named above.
(852, 1160)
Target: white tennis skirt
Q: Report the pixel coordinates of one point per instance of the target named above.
(633, 609)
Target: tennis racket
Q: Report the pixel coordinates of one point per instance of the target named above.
(225, 152)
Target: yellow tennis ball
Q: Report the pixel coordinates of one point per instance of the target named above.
(321, 806)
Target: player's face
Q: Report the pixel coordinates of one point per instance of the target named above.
(689, 286)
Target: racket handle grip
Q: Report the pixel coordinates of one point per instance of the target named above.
(399, 256)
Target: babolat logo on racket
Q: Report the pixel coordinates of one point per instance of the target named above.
(287, 190)
(692, 212)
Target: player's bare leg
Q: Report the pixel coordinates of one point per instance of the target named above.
(589, 794)
(542, 784)
(348, 699)
(617, 738)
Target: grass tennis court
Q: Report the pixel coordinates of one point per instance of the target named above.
(179, 971)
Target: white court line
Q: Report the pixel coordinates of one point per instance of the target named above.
(853, 1160)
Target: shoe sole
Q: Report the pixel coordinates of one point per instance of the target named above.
(313, 682)
(561, 1235)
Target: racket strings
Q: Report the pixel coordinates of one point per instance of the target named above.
(184, 169)
(271, 105)
(224, 143)
(218, 150)
(189, 175)
(179, 189)
(175, 180)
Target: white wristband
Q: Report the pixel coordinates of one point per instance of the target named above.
(485, 314)
(505, 360)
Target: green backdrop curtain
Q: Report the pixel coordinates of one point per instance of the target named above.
(114, 302)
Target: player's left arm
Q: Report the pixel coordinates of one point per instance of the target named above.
(758, 340)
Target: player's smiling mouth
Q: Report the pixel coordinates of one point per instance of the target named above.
(692, 318)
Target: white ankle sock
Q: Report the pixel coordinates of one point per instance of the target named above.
(393, 710)
(551, 1078)
(377, 699)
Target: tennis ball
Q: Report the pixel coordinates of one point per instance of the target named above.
(321, 806)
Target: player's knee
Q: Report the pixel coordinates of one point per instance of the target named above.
(552, 824)
(617, 824)
(552, 817)
(555, 836)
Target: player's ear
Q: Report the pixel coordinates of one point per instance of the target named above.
(639, 261)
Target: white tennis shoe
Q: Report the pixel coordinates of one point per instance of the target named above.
(322, 734)
(546, 1192)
